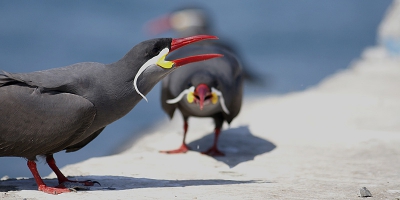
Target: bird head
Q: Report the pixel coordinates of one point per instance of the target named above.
(202, 95)
(188, 20)
(156, 51)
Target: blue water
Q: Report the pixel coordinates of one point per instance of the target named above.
(293, 44)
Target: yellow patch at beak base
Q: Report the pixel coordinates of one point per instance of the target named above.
(190, 97)
(214, 98)
(163, 63)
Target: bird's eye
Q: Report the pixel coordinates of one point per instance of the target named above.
(190, 84)
(158, 48)
(155, 50)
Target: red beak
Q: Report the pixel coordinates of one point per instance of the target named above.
(202, 90)
(180, 42)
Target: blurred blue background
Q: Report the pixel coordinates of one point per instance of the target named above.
(293, 44)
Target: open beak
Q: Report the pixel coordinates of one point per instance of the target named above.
(180, 42)
(175, 44)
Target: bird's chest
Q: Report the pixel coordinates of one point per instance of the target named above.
(193, 109)
(111, 106)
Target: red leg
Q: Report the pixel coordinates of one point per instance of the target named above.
(213, 151)
(184, 148)
(40, 183)
(60, 176)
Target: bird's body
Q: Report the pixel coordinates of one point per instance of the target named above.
(58, 99)
(221, 79)
(48, 111)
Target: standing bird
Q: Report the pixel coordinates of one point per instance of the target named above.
(213, 90)
(48, 111)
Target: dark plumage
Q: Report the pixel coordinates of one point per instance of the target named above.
(48, 111)
(213, 88)
(224, 74)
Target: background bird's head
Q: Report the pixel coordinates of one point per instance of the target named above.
(202, 96)
(201, 84)
(205, 95)
(185, 21)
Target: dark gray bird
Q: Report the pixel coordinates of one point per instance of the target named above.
(219, 82)
(213, 88)
(48, 111)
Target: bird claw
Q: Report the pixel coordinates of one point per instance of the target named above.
(73, 186)
(78, 185)
(90, 183)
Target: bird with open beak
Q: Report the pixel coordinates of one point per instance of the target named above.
(65, 108)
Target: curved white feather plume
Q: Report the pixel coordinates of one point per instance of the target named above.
(221, 99)
(152, 61)
(180, 96)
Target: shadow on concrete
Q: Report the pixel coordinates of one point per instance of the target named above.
(238, 144)
(119, 183)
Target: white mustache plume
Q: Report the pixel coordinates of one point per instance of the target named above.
(221, 100)
(180, 96)
(152, 61)
(191, 89)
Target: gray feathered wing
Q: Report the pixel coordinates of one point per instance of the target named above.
(236, 90)
(37, 120)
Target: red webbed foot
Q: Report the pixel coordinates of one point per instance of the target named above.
(183, 149)
(54, 190)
